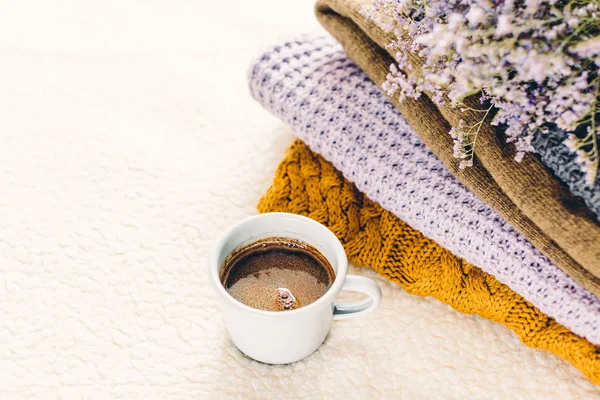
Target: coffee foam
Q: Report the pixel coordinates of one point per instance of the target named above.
(285, 300)
(277, 275)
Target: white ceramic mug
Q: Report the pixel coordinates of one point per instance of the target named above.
(281, 337)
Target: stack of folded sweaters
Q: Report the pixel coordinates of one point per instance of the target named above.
(517, 244)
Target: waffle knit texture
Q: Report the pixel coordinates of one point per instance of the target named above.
(556, 156)
(525, 194)
(307, 184)
(341, 114)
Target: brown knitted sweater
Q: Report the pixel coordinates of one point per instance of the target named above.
(526, 195)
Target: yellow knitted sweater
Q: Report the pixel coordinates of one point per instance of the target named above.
(307, 184)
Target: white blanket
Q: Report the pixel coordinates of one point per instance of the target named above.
(128, 143)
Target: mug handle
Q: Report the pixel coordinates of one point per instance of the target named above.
(356, 283)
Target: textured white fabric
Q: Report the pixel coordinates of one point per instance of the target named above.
(128, 143)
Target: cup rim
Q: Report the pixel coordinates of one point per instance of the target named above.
(339, 254)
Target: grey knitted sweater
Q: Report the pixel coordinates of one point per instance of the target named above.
(556, 156)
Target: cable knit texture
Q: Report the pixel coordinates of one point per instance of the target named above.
(307, 184)
(333, 106)
(561, 161)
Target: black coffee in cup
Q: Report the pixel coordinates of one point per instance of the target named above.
(277, 274)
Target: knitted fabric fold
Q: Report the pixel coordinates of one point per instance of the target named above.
(525, 194)
(341, 114)
(307, 184)
(556, 156)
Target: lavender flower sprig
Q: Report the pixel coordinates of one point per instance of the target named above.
(534, 62)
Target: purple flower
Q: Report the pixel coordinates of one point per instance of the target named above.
(535, 61)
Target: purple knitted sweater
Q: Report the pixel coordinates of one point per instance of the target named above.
(333, 106)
